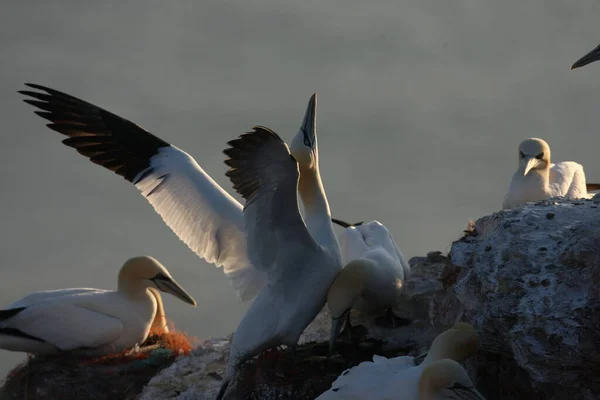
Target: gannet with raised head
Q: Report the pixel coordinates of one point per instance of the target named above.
(438, 377)
(298, 268)
(199, 211)
(373, 276)
(539, 179)
(589, 58)
(91, 321)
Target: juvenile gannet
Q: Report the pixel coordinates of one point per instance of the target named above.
(299, 269)
(538, 179)
(91, 321)
(589, 58)
(438, 377)
(199, 211)
(375, 271)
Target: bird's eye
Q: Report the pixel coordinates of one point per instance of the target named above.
(521, 154)
(540, 156)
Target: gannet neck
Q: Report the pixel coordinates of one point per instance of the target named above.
(456, 343)
(317, 214)
(134, 289)
(538, 177)
(349, 285)
(160, 323)
(446, 375)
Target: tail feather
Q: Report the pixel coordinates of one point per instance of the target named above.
(21, 334)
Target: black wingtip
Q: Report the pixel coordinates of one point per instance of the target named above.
(240, 153)
(11, 312)
(341, 223)
(345, 224)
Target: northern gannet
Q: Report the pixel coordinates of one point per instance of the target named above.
(438, 377)
(91, 321)
(538, 179)
(374, 273)
(298, 267)
(199, 211)
(589, 58)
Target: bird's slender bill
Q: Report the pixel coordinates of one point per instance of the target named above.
(345, 224)
(309, 123)
(169, 285)
(531, 163)
(336, 327)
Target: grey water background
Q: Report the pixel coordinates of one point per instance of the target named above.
(421, 107)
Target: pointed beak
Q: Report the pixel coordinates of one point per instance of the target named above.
(345, 224)
(336, 327)
(309, 123)
(589, 58)
(169, 285)
(532, 162)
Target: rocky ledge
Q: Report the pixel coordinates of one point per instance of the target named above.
(527, 279)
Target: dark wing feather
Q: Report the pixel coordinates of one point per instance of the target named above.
(105, 138)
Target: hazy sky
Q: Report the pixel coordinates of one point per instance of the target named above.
(421, 107)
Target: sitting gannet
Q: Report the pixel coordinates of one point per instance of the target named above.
(298, 268)
(438, 377)
(92, 321)
(589, 58)
(375, 271)
(538, 179)
(199, 211)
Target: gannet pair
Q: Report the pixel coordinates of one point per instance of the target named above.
(199, 211)
(539, 179)
(92, 321)
(438, 377)
(374, 274)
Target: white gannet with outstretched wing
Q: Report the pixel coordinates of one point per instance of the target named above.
(374, 273)
(538, 179)
(92, 321)
(298, 268)
(203, 215)
(438, 377)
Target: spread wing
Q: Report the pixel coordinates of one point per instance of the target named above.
(203, 215)
(264, 172)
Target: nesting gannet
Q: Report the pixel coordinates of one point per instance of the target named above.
(538, 179)
(199, 211)
(298, 268)
(439, 376)
(91, 321)
(589, 58)
(375, 271)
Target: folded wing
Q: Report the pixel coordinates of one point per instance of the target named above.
(66, 326)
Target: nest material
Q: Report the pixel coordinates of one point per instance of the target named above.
(306, 374)
(118, 376)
